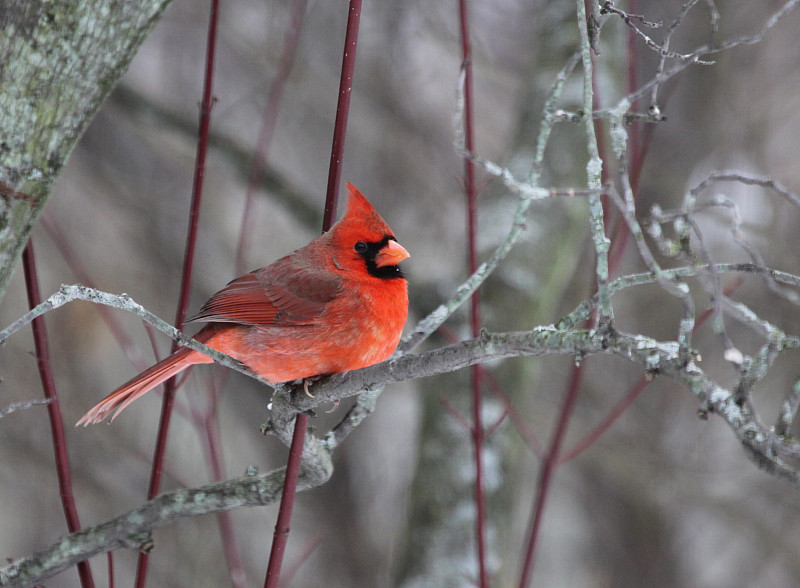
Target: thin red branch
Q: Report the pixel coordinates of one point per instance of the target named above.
(592, 436)
(281, 535)
(638, 144)
(207, 424)
(478, 432)
(528, 436)
(549, 466)
(63, 471)
(188, 263)
(457, 416)
(342, 112)
(308, 549)
(499, 421)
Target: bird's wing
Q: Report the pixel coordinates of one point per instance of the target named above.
(283, 294)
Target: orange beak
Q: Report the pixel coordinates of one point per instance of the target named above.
(391, 254)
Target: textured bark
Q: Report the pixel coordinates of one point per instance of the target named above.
(58, 61)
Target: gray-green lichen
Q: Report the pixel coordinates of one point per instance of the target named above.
(58, 61)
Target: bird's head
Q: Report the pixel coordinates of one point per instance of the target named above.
(366, 239)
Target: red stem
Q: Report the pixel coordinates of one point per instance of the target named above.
(305, 553)
(281, 535)
(549, 466)
(619, 237)
(188, 263)
(342, 112)
(53, 409)
(638, 143)
(478, 432)
(619, 409)
(528, 436)
(207, 424)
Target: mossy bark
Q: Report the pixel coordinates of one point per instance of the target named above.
(58, 60)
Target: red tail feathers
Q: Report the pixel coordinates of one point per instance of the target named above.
(144, 382)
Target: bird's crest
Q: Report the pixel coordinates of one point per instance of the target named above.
(361, 213)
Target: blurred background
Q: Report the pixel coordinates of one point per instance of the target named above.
(662, 499)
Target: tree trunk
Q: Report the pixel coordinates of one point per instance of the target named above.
(58, 61)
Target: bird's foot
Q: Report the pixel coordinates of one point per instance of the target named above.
(305, 388)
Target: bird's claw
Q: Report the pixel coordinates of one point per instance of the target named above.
(305, 388)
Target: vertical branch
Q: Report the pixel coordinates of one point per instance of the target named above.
(261, 153)
(639, 142)
(281, 534)
(475, 317)
(188, 262)
(207, 424)
(549, 466)
(342, 112)
(53, 408)
(594, 170)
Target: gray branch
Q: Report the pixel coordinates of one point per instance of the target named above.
(15, 406)
(132, 529)
(761, 444)
(71, 293)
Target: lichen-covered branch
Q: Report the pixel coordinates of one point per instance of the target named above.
(71, 293)
(132, 529)
(594, 170)
(766, 447)
(15, 406)
(58, 61)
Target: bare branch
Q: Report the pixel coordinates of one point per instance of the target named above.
(788, 411)
(14, 406)
(70, 293)
(132, 529)
(655, 357)
(662, 50)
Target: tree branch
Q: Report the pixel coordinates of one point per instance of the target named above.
(765, 447)
(70, 293)
(25, 404)
(132, 529)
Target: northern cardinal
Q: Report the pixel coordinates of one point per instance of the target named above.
(337, 304)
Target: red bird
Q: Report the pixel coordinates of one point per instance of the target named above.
(337, 304)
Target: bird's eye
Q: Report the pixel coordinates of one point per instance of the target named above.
(360, 247)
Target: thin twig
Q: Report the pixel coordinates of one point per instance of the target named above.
(23, 405)
(470, 188)
(713, 48)
(71, 293)
(170, 386)
(63, 470)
